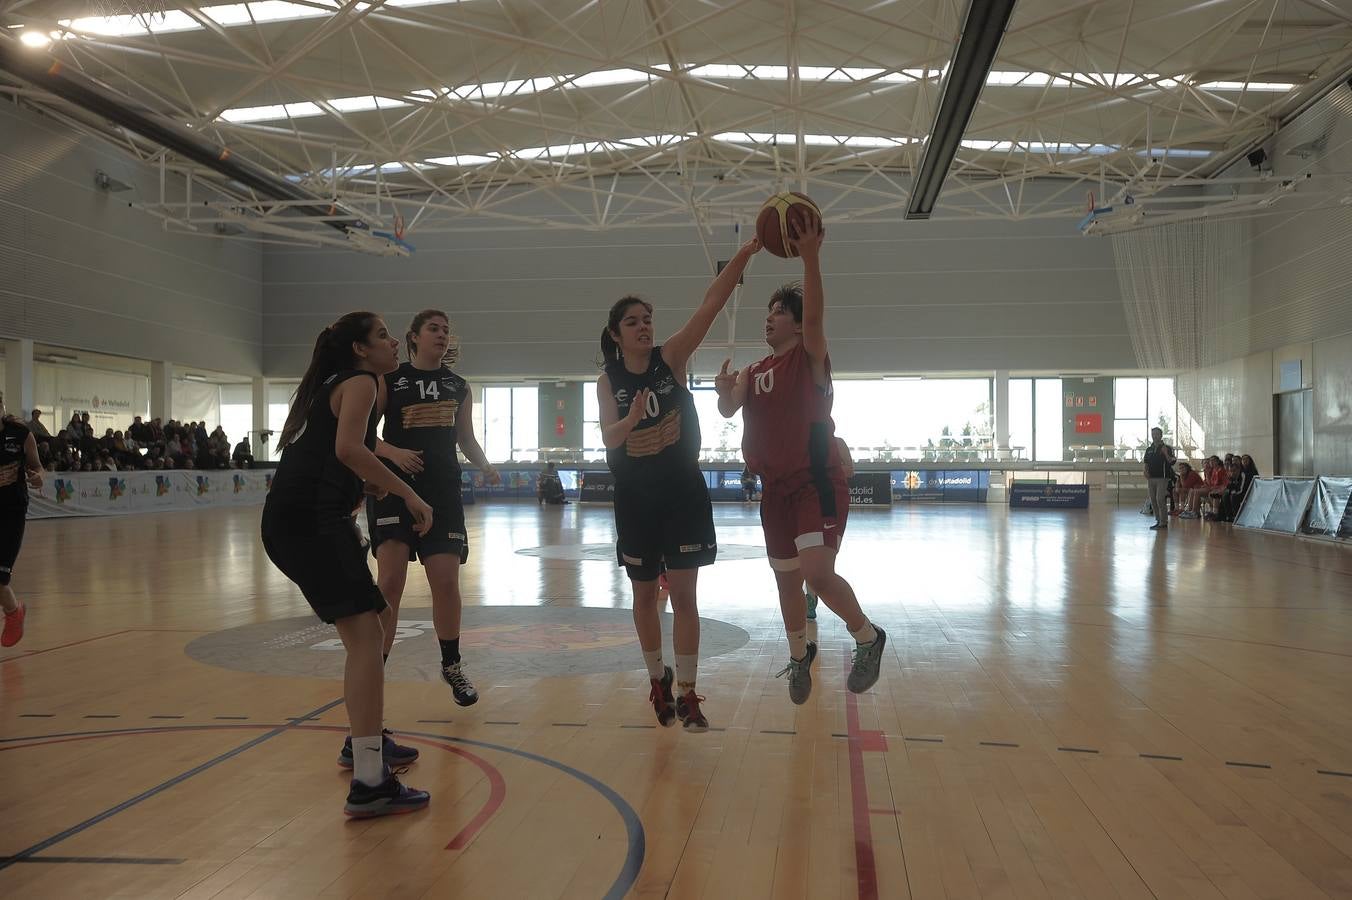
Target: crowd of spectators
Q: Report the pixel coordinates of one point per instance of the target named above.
(143, 445)
(1215, 493)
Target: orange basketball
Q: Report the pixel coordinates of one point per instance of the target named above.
(779, 219)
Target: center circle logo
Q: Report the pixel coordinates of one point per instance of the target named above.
(500, 643)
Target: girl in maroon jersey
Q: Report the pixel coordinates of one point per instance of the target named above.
(789, 440)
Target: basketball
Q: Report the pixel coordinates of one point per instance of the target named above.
(777, 222)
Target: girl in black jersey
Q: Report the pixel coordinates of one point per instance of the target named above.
(428, 412)
(309, 533)
(20, 469)
(663, 519)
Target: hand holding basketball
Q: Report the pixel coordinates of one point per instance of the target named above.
(751, 247)
(725, 380)
(781, 222)
(806, 232)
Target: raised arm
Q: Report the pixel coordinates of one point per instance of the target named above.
(809, 243)
(676, 352)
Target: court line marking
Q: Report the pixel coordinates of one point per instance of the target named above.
(101, 860)
(636, 839)
(866, 871)
(157, 789)
(24, 654)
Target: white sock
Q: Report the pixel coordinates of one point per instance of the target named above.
(368, 760)
(687, 667)
(865, 635)
(653, 660)
(798, 644)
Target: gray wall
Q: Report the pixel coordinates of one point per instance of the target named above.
(905, 297)
(1298, 306)
(79, 268)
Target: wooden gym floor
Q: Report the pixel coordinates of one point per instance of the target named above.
(1071, 706)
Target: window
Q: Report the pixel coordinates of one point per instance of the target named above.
(1021, 417)
(236, 412)
(593, 446)
(279, 404)
(1131, 428)
(1049, 444)
(944, 415)
(510, 422)
(497, 419)
(720, 438)
(525, 424)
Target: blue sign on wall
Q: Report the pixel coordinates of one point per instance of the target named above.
(1049, 496)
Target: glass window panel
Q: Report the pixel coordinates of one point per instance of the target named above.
(497, 413)
(592, 444)
(720, 438)
(1129, 395)
(1130, 435)
(1021, 415)
(1049, 441)
(1163, 409)
(525, 424)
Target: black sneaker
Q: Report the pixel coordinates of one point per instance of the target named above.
(389, 798)
(687, 709)
(664, 704)
(461, 689)
(395, 755)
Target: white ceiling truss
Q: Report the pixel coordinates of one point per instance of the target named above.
(598, 114)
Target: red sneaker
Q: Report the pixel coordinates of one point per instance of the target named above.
(687, 708)
(13, 632)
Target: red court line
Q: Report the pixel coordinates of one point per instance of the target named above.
(860, 740)
(497, 792)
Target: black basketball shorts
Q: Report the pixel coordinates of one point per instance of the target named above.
(12, 521)
(668, 526)
(388, 519)
(327, 563)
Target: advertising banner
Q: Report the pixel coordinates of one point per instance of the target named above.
(951, 486)
(1329, 514)
(119, 493)
(871, 489)
(1048, 496)
(597, 487)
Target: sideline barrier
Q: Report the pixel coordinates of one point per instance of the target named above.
(120, 493)
(1276, 504)
(1329, 513)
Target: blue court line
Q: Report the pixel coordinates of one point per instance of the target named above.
(159, 788)
(633, 827)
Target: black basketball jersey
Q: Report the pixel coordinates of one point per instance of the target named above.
(13, 467)
(667, 438)
(422, 411)
(311, 484)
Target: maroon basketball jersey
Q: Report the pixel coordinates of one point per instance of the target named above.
(788, 435)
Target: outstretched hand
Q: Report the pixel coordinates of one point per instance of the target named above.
(725, 380)
(638, 407)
